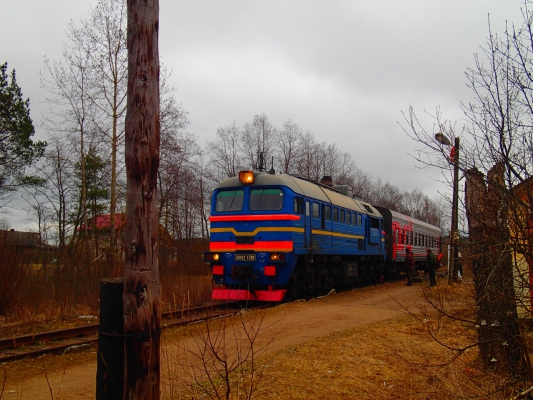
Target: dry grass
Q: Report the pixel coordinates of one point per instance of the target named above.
(394, 359)
(387, 360)
(36, 299)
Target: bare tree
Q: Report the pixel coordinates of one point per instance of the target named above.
(331, 159)
(59, 193)
(178, 150)
(104, 35)
(288, 140)
(346, 169)
(225, 150)
(257, 142)
(219, 359)
(387, 195)
(70, 109)
(418, 205)
(305, 160)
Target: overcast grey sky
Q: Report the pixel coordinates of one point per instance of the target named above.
(344, 70)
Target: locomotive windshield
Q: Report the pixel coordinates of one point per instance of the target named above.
(230, 200)
(266, 199)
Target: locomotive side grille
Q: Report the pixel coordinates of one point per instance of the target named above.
(374, 223)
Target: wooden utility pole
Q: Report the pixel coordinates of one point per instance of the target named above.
(454, 231)
(142, 289)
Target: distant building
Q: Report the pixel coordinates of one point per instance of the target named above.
(99, 235)
(171, 251)
(28, 246)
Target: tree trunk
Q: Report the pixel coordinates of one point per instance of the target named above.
(142, 289)
(501, 346)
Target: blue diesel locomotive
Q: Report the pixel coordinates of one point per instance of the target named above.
(277, 237)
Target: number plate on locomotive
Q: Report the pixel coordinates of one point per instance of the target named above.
(244, 257)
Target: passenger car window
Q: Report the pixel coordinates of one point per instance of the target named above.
(316, 210)
(266, 199)
(230, 200)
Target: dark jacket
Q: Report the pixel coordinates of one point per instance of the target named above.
(431, 261)
(409, 262)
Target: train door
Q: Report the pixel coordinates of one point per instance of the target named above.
(394, 242)
(307, 225)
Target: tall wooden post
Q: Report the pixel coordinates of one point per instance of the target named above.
(142, 289)
(454, 231)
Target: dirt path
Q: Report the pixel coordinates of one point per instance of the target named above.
(290, 325)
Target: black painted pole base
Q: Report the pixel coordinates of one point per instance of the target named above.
(110, 364)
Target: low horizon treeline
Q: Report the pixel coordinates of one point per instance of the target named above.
(188, 174)
(293, 151)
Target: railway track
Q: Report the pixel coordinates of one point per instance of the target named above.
(59, 341)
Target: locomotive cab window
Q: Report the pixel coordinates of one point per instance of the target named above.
(328, 212)
(266, 199)
(230, 200)
(342, 216)
(335, 214)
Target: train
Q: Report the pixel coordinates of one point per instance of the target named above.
(278, 237)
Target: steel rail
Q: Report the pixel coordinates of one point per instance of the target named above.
(189, 316)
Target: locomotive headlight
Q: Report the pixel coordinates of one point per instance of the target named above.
(246, 177)
(277, 257)
(208, 257)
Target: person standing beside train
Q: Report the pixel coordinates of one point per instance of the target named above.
(409, 266)
(431, 265)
